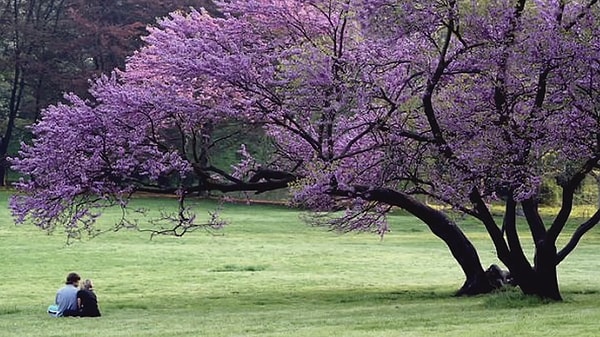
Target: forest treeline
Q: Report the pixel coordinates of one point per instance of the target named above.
(49, 47)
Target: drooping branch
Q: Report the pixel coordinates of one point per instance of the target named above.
(263, 180)
(568, 192)
(577, 235)
(180, 223)
(272, 175)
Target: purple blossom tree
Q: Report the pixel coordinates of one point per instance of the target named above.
(370, 104)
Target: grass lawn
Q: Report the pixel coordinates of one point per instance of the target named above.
(268, 274)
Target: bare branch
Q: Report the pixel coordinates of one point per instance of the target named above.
(577, 235)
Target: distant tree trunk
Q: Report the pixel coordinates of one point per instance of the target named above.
(3, 166)
(16, 94)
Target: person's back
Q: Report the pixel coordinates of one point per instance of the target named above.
(87, 300)
(66, 297)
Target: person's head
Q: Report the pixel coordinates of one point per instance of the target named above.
(87, 284)
(73, 278)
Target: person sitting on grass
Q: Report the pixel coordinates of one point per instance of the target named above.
(87, 300)
(66, 298)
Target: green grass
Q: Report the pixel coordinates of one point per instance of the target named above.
(268, 274)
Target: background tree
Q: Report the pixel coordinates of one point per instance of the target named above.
(109, 31)
(21, 70)
(369, 104)
(50, 47)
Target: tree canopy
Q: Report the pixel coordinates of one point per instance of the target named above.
(369, 104)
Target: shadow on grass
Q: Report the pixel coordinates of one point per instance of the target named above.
(512, 298)
(139, 306)
(324, 297)
(9, 310)
(352, 296)
(237, 268)
(239, 301)
(582, 292)
(509, 298)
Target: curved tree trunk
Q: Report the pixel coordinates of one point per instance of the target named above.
(441, 226)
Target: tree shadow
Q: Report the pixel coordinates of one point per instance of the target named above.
(512, 298)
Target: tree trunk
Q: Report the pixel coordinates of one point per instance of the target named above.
(14, 105)
(3, 169)
(547, 287)
(542, 280)
(462, 250)
(543, 284)
(475, 284)
(546, 276)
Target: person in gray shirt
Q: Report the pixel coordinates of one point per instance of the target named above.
(66, 297)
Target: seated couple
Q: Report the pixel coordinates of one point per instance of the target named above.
(71, 301)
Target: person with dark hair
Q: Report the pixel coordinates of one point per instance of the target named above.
(87, 300)
(66, 297)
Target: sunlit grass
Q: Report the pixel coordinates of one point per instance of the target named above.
(268, 274)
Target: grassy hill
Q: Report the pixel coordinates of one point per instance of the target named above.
(268, 274)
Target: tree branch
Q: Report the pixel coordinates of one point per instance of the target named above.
(512, 236)
(577, 235)
(580, 15)
(567, 199)
(483, 214)
(535, 222)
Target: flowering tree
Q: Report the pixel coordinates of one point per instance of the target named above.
(369, 103)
